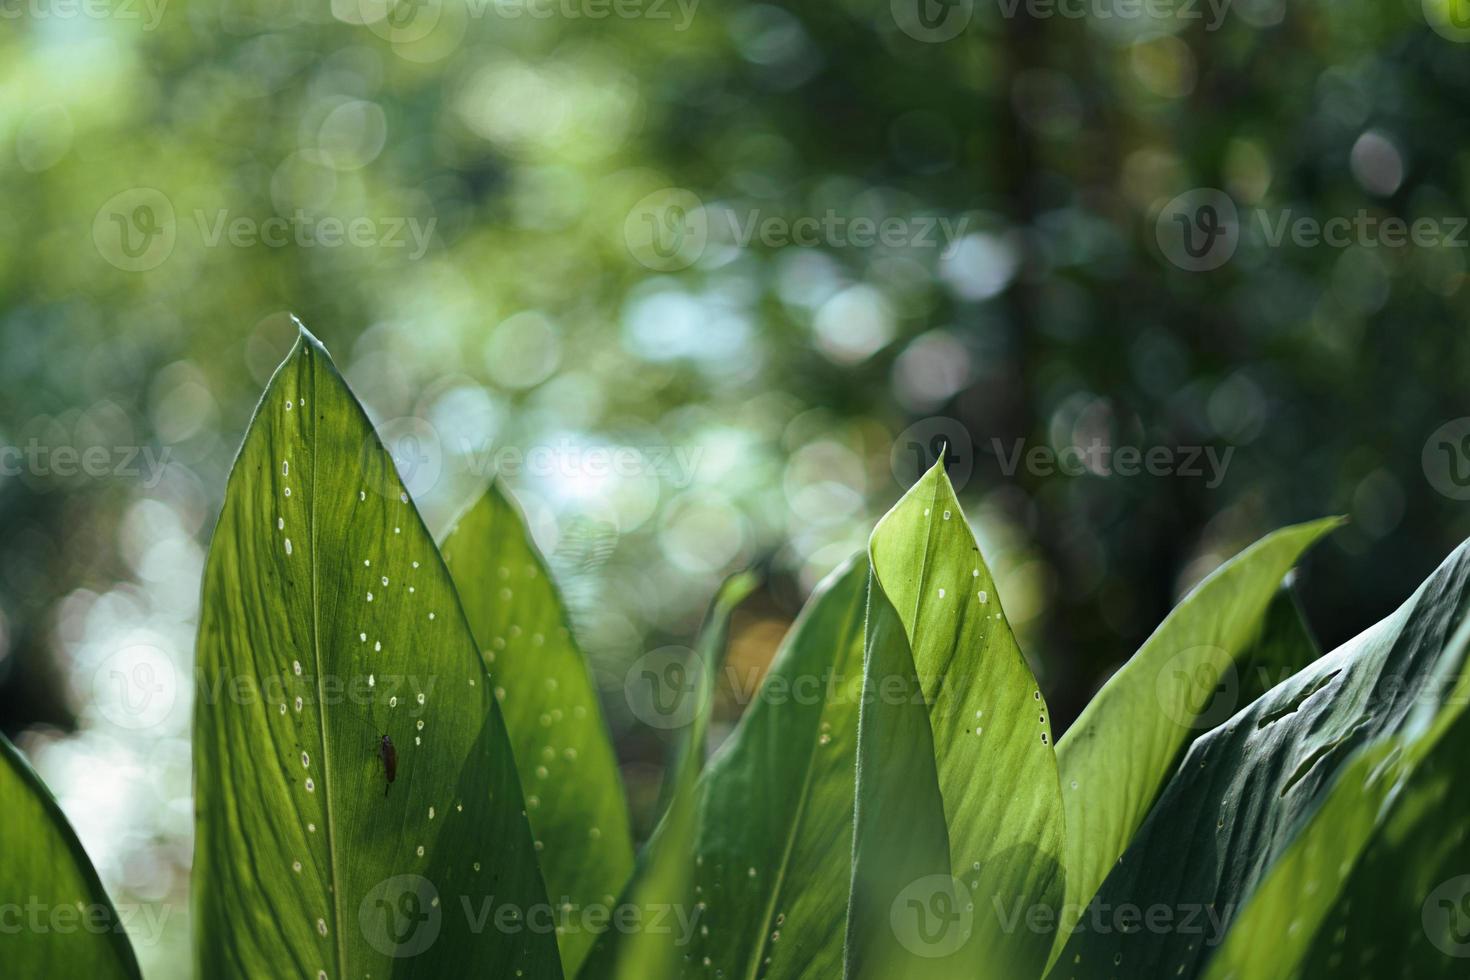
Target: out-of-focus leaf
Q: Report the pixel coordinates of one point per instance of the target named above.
(1183, 680)
(959, 813)
(663, 924)
(58, 919)
(1243, 793)
(329, 621)
(574, 796)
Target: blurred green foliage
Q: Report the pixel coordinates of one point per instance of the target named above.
(168, 169)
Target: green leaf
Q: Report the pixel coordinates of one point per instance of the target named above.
(1375, 882)
(959, 811)
(563, 753)
(774, 808)
(655, 946)
(329, 620)
(1117, 754)
(63, 923)
(1245, 789)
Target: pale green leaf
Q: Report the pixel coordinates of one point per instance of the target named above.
(55, 917)
(563, 753)
(959, 823)
(1117, 754)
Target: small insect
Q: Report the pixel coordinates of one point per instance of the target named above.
(389, 755)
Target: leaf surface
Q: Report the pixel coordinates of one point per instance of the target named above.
(575, 799)
(329, 621)
(1184, 680)
(959, 823)
(60, 922)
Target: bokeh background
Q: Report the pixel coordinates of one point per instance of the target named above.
(577, 231)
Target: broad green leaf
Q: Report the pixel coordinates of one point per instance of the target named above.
(1183, 680)
(1244, 791)
(328, 621)
(574, 796)
(55, 917)
(959, 821)
(773, 842)
(1376, 881)
(653, 928)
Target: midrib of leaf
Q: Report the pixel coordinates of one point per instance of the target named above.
(328, 820)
